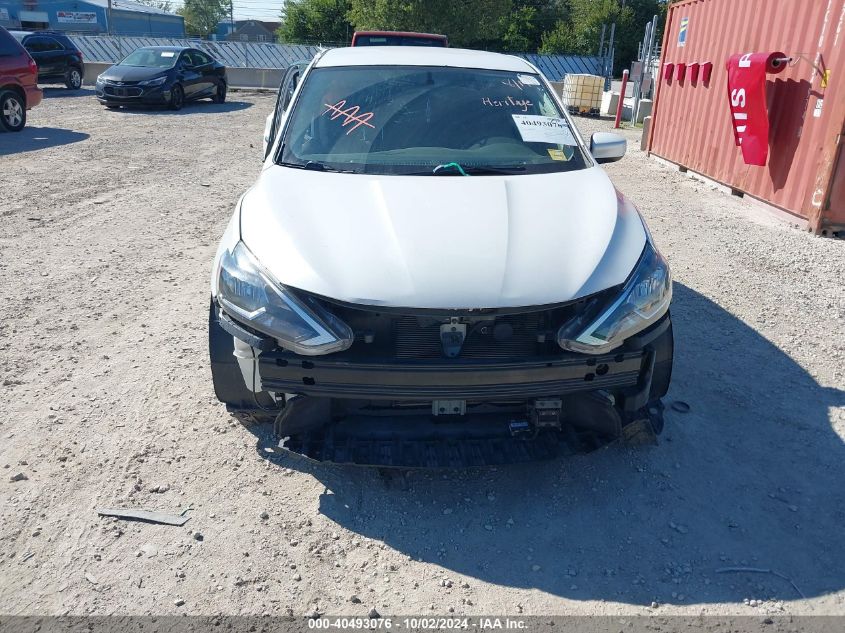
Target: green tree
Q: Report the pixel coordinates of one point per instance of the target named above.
(469, 23)
(202, 16)
(519, 30)
(316, 21)
(631, 34)
(550, 26)
(580, 33)
(524, 26)
(558, 39)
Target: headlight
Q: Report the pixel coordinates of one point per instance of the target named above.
(644, 300)
(99, 79)
(248, 293)
(158, 81)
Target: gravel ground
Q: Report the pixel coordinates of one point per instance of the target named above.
(109, 225)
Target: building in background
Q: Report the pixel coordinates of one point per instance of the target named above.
(247, 31)
(90, 16)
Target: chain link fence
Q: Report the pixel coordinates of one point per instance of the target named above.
(113, 48)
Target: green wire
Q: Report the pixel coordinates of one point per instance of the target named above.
(447, 165)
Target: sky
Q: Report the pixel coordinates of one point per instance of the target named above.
(255, 9)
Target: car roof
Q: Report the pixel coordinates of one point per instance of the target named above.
(166, 48)
(426, 36)
(30, 34)
(418, 56)
(59, 36)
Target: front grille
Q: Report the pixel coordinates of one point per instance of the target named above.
(122, 92)
(509, 336)
(493, 334)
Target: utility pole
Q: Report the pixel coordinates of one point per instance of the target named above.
(635, 106)
(108, 18)
(232, 15)
(652, 46)
(603, 56)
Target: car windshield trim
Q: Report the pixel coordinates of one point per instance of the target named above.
(153, 55)
(409, 120)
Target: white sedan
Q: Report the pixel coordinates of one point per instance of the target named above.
(433, 270)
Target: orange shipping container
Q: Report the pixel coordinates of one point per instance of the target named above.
(691, 123)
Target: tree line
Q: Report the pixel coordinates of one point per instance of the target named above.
(544, 26)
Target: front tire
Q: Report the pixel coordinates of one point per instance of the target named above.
(12, 111)
(73, 79)
(220, 94)
(177, 97)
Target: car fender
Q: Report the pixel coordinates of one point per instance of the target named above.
(11, 83)
(231, 236)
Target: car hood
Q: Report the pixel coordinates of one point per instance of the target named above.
(132, 73)
(442, 242)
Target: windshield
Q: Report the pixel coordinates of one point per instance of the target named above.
(428, 121)
(151, 58)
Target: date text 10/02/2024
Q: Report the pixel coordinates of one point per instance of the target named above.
(421, 623)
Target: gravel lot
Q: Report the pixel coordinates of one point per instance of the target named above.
(109, 225)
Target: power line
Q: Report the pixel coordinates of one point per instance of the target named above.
(249, 3)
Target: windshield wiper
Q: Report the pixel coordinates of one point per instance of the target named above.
(312, 165)
(495, 169)
(453, 169)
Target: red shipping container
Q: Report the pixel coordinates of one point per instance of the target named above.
(805, 173)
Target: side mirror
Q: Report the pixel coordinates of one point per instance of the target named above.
(607, 147)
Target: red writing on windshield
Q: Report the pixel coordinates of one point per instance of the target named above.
(350, 115)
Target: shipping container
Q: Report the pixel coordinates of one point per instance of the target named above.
(692, 126)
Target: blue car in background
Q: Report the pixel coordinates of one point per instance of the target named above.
(162, 75)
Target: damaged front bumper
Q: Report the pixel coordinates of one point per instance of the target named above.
(458, 412)
(326, 377)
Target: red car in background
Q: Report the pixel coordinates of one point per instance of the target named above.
(398, 38)
(19, 89)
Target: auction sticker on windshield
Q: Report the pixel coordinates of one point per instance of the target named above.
(534, 128)
(167, 53)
